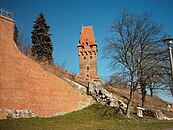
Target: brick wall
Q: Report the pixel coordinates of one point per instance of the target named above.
(24, 84)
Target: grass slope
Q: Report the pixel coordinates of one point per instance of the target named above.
(95, 117)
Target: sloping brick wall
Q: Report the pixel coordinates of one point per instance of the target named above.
(24, 84)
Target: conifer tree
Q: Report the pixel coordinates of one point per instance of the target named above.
(42, 46)
(16, 35)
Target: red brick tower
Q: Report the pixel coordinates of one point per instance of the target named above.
(87, 50)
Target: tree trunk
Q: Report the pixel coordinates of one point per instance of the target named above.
(143, 97)
(129, 103)
(151, 92)
(143, 90)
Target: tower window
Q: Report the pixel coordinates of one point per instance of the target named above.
(88, 68)
(87, 76)
(87, 43)
(84, 57)
(91, 57)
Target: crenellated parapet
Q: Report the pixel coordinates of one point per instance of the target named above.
(6, 25)
(6, 13)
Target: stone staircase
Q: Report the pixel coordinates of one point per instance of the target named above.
(99, 94)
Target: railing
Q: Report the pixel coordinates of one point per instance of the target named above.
(6, 13)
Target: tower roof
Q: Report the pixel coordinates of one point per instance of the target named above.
(87, 34)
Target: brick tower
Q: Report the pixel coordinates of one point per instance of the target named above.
(87, 50)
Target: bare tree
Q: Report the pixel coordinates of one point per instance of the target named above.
(135, 41)
(24, 45)
(117, 81)
(63, 65)
(160, 77)
(21, 42)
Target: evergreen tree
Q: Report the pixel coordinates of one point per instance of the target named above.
(42, 46)
(16, 35)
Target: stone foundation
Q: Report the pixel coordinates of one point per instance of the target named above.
(7, 113)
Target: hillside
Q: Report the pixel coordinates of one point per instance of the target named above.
(122, 93)
(24, 84)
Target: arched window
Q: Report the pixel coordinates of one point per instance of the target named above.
(91, 57)
(88, 68)
(84, 57)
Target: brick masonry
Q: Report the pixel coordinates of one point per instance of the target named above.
(24, 84)
(87, 50)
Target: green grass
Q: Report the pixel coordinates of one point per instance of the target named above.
(95, 117)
